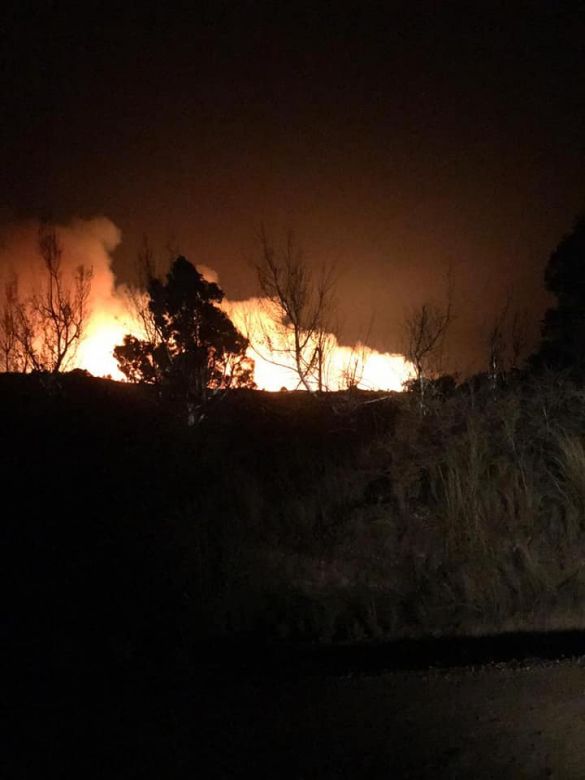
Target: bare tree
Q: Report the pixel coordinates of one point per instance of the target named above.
(136, 294)
(497, 346)
(507, 341)
(353, 370)
(51, 323)
(299, 302)
(12, 356)
(425, 331)
(518, 338)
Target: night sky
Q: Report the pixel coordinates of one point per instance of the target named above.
(393, 138)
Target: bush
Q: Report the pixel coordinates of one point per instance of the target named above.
(292, 517)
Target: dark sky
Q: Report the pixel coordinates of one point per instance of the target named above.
(394, 138)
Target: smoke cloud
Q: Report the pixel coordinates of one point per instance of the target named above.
(91, 243)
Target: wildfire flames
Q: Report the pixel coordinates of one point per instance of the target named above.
(91, 242)
(343, 366)
(103, 333)
(274, 369)
(373, 370)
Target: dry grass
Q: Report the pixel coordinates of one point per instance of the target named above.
(469, 519)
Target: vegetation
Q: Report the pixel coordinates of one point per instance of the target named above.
(41, 331)
(342, 517)
(563, 331)
(190, 344)
(299, 305)
(337, 517)
(426, 329)
(140, 549)
(290, 519)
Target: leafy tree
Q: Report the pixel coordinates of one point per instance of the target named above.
(563, 328)
(136, 360)
(191, 345)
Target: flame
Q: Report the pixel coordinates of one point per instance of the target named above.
(343, 366)
(274, 365)
(111, 316)
(95, 353)
(270, 348)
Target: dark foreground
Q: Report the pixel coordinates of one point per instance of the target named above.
(487, 722)
(381, 712)
(132, 539)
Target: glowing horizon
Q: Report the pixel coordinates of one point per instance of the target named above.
(273, 370)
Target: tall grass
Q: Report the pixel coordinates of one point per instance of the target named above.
(471, 518)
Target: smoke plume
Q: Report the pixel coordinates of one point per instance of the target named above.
(91, 243)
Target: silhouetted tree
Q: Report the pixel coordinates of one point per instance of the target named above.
(425, 331)
(12, 355)
(563, 328)
(191, 346)
(137, 361)
(506, 342)
(43, 331)
(299, 302)
(354, 367)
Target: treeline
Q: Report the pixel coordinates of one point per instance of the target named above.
(190, 349)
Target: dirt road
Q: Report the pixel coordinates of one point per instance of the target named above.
(326, 715)
(499, 721)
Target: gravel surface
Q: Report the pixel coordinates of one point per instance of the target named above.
(337, 714)
(504, 720)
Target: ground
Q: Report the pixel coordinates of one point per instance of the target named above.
(503, 720)
(301, 715)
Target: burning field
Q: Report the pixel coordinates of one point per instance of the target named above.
(111, 308)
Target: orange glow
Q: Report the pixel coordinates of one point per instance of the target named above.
(274, 364)
(95, 353)
(343, 366)
(92, 242)
(111, 319)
